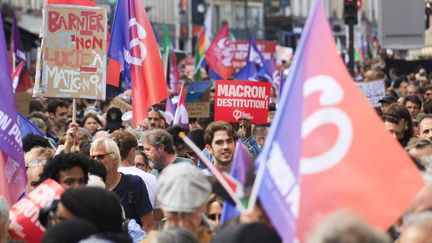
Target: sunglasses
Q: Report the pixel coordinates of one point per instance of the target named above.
(213, 216)
(99, 156)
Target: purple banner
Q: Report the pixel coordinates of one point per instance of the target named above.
(14, 179)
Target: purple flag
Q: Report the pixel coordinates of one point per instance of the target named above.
(238, 171)
(255, 57)
(13, 178)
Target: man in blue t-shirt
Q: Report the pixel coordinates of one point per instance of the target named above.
(131, 189)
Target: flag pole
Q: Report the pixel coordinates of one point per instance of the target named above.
(255, 188)
(213, 170)
(166, 56)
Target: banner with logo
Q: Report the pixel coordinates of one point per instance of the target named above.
(24, 215)
(74, 52)
(236, 100)
(241, 49)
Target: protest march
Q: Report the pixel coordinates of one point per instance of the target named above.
(116, 134)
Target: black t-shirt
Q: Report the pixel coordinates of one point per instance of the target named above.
(133, 196)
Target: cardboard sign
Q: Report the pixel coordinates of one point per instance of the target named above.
(198, 99)
(24, 215)
(198, 109)
(236, 100)
(23, 103)
(74, 52)
(121, 104)
(241, 47)
(374, 91)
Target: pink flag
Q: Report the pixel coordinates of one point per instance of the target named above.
(181, 116)
(169, 111)
(174, 75)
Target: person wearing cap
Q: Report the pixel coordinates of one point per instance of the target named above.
(386, 101)
(160, 150)
(131, 189)
(113, 119)
(219, 138)
(183, 191)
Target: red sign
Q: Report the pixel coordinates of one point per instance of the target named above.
(236, 100)
(241, 47)
(24, 215)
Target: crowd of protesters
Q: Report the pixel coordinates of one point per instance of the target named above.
(144, 184)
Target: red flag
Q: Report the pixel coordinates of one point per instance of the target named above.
(133, 43)
(348, 159)
(90, 3)
(219, 55)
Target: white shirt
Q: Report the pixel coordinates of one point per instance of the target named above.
(149, 179)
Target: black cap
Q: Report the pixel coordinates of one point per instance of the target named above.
(388, 99)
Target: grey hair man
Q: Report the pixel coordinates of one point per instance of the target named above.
(160, 150)
(131, 189)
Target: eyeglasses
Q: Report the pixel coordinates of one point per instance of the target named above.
(99, 156)
(213, 216)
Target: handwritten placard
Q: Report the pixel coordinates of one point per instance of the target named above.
(374, 91)
(74, 52)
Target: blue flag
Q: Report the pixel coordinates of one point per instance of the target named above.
(248, 72)
(268, 70)
(214, 76)
(238, 171)
(27, 128)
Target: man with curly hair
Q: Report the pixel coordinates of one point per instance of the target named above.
(70, 170)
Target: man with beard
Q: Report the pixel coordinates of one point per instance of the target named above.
(219, 138)
(159, 148)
